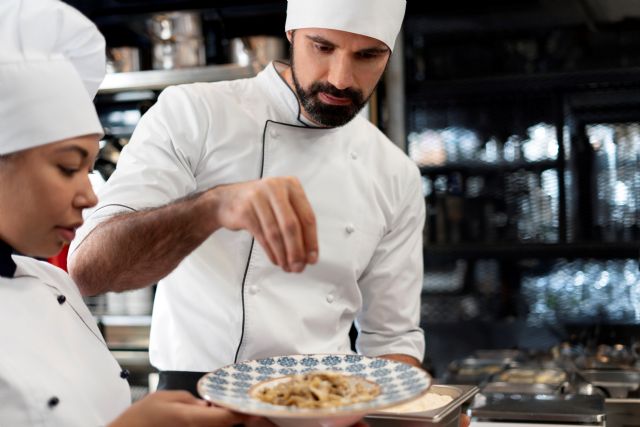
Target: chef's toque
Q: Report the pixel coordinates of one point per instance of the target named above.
(52, 61)
(380, 19)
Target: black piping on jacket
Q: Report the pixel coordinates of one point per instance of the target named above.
(7, 265)
(246, 269)
(264, 143)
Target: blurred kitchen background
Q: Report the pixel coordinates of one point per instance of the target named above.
(524, 118)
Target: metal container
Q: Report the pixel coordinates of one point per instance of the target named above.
(536, 408)
(175, 26)
(123, 59)
(171, 55)
(623, 412)
(126, 332)
(177, 40)
(257, 51)
(616, 383)
(551, 377)
(505, 355)
(446, 416)
(475, 371)
(515, 388)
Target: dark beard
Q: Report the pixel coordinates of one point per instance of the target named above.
(325, 114)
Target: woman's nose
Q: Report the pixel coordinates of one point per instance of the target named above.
(86, 197)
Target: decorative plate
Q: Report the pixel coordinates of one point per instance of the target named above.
(230, 386)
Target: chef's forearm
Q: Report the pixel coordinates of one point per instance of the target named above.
(403, 358)
(135, 250)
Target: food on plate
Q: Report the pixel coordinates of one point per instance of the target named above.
(315, 390)
(425, 402)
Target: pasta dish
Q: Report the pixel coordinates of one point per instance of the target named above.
(319, 390)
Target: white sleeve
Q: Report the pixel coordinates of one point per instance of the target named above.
(391, 285)
(158, 164)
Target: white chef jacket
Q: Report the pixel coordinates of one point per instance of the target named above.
(226, 302)
(55, 368)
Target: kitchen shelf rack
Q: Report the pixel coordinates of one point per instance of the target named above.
(513, 85)
(483, 168)
(159, 79)
(516, 251)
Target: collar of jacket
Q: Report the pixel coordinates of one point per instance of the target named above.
(7, 265)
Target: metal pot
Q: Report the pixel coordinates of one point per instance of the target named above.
(175, 26)
(177, 40)
(186, 53)
(257, 51)
(123, 59)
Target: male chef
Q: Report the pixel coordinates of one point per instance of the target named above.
(271, 215)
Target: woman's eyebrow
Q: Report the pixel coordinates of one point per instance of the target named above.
(84, 153)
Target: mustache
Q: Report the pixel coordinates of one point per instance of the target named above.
(353, 94)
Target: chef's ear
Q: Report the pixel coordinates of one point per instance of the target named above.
(290, 35)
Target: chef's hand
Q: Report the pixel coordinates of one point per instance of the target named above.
(465, 421)
(276, 212)
(178, 408)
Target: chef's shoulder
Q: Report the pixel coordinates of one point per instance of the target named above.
(208, 100)
(381, 153)
(48, 274)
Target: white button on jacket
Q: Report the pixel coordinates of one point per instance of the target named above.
(203, 135)
(55, 368)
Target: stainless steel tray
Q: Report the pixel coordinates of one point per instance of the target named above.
(506, 356)
(523, 375)
(565, 409)
(475, 371)
(519, 388)
(448, 415)
(623, 412)
(617, 383)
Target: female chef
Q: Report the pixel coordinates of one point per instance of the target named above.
(55, 368)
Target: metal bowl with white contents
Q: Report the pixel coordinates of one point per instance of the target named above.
(447, 415)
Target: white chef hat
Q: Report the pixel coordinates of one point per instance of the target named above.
(52, 60)
(379, 19)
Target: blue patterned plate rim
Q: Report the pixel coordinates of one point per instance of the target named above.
(229, 386)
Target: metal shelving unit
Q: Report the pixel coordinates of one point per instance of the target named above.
(516, 84)
(595, 250)
(479, 168)
(159, 79)
(484, 275)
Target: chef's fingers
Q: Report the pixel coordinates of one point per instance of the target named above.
(307, 220)
(179, 396)
(212, 416)
(256, 231)
(269, 230)
(290, 227)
